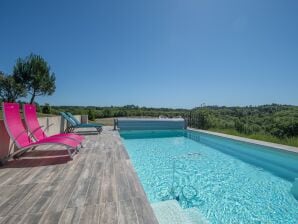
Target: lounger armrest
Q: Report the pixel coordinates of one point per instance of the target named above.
(14, 140)
(35, 130)
(47, 127)
(41, 127)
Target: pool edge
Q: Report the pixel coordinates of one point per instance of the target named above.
(247, 140)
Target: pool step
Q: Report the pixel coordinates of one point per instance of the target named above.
(170, 212)
(195, 216)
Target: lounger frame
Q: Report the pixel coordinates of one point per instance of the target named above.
(21, 150)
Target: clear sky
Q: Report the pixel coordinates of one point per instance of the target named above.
(161, 53)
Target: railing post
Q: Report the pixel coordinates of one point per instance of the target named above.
(115, 124)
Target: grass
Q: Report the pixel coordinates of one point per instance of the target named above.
(106, 121)
(259, 136)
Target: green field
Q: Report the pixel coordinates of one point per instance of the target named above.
(106, 121)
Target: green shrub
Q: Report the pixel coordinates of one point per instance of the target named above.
(91, 115)
(46, 109)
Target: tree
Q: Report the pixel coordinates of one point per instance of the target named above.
(203, 119)
(10, 90)
(46, 109)
(91, 114)
(107, 113)
(35, 74)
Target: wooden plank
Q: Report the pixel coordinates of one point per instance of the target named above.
(7, 191)
(32, 196)
(99, 166)
(78, 196)
(57, 189)
(50, 217)
(122, 187)
(15, 199)
(31, 219)
(4, 171)
(94, 191)
(27, 173)
(124, 154)
(65, 191)
(70, 215)
(81, 187)
(133, 180)
(14, 219)
(48, 195)
(45, 174)
(144, 211)
(109, 193)
(117, 153)
(127, 213)
(60, 174)
(41, 204)
(90, 215)
(14, 174)
(33, 175)
(65, 184)
(109, 213)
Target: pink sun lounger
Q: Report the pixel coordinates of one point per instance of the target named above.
(37, 132)
(22, 139)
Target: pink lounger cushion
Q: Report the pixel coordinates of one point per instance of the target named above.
(18, 132)
(35, 128)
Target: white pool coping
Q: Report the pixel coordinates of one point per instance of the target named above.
(248, 140)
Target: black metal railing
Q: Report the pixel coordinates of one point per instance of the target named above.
(194, 120)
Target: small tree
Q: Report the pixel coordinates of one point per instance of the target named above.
(46, 109)
(91, 115)
(35, 74)
(10, 90)
(38, 108)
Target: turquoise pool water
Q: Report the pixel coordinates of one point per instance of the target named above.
(227, 180)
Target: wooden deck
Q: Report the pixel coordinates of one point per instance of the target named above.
(98, 186)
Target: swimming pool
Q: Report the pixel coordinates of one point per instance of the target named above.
(228, 181)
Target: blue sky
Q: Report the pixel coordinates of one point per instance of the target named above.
(160, 53)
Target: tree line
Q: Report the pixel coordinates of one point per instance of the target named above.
(280, 121)
(114, 111)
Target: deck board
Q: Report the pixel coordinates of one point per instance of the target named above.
(98, 186)
(109, 213)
